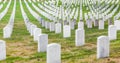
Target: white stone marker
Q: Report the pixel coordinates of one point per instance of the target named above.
(89, 23)
(52, 26)
(37, 32)
(117, 24)
(101, 24)
(2, 50)
(43, 23)
(79, 37)
(29, 28)
(110, 21)
(112, 32)
(80, 25)
(103, 44)
(54, 53)
(42, 43)
(32, 27)
(58, 28)
(65, 22)
(96, 23)
(6, 32)
(72, 25)
(46, 25)
(66, 31)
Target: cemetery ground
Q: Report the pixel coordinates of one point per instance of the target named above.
(22, 49)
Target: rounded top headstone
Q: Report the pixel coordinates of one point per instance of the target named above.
(2, 42)
(53, 45)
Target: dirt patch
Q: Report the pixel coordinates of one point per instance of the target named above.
(20, 49)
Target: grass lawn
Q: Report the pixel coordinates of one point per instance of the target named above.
(22, 49)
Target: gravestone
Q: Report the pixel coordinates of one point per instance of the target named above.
(65, 22)
(96, 22)
(60, 21)
(101, 24)
(79, 37)
(74, 20)
(48, 25)
(66, 31)
(72, 25)
(112, 32)
(29, 27)
(58, 28)
(110, 21)
(6, 32)
(89, 23)
(2, 50)
(40, 20)
(80, 25)
(43, 23)
(117, 24)
(32, 27)
(54, 53)
(42, 42)
(52, 26)
(103, 44)
(37, 32)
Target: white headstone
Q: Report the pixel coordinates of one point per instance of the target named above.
(46, 25)
(89, 23)
(80, 25)
(72, 25)
(117, 24)
(37, 32)
(66, 31)
(101, 24)
(58, 28)
(43, 23)
(103, 44)
(110, 21)
(112, 32)
(29, 28)
(6, 32)
(54, 53)
(79, 37)
(42, 43)
(2, 50)
(32, 29)
(52, 26)
(96, 23)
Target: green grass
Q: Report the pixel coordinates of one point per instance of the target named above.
(5, 19)
(4, 6)
(22, 49)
